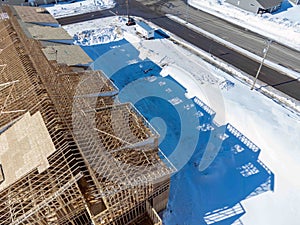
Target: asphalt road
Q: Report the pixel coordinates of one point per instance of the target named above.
(246, 39)
(155, 14)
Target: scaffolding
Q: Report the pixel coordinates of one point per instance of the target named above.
(107, 167)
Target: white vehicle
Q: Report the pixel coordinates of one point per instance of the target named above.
(145, 30)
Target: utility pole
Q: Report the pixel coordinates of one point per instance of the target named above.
(265, 51)
(210, 49)
(127, 8)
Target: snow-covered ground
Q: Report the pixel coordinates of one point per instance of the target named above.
(97, 31)
(275, 129)
(63, 9)
(282, 26)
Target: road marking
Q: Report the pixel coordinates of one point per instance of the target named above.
(191, 35)
(113, 13)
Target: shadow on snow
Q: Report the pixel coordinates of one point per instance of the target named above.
(198, 195)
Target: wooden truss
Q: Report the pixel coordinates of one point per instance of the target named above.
(107, 167)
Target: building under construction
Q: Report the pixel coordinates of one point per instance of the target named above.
(69, 153)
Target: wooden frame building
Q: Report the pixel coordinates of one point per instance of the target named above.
(89, 159)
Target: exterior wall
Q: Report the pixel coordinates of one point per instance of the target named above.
(145, 30)
(249, 5)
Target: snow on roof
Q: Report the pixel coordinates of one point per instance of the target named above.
(144, 26)
(269, 3)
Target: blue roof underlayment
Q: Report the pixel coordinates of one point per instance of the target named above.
(61, 41)
(218, 167)
(46, 24)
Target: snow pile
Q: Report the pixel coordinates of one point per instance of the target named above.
(99, 31)
(282, 26)
(63, 10)
(97, 36)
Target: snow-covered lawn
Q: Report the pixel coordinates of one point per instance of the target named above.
(282, 26)
(274, 128)
(98, 31)
(62, 9)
